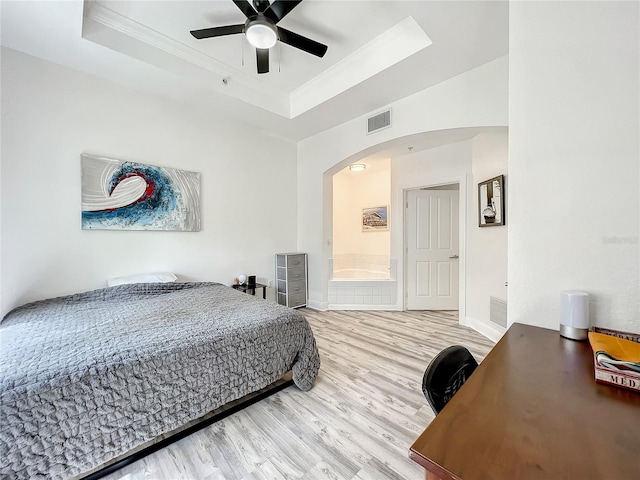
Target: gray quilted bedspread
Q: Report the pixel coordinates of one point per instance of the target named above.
(88, 377)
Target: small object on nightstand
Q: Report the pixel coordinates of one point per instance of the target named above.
(242, 279)
(251, 281)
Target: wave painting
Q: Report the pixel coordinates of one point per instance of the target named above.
(119, 195)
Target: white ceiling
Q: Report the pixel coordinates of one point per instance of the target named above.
(379, 52)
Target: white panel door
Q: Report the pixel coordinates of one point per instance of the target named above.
(432, 250)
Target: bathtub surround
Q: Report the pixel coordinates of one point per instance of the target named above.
(364, 293)
(361, 294)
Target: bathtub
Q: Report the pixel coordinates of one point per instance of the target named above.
(360, 273)
(363, 288)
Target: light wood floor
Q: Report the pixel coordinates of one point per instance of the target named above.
(364, 411)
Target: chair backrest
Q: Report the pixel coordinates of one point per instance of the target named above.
(445, 375)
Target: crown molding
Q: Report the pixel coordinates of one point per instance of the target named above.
(392, 46)
(116, 31)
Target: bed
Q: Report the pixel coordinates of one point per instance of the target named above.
(89, 377)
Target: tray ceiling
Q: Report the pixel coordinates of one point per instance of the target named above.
(378, 52)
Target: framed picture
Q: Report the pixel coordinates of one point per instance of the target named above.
(375, 219)
(491, 202)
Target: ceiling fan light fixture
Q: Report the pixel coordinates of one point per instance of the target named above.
(261, 30)
(357, 167)
(260, 33)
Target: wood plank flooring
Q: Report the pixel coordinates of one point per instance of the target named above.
(364, 411)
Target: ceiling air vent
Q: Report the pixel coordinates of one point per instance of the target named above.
(379, 122)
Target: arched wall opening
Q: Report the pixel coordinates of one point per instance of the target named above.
(459, 157)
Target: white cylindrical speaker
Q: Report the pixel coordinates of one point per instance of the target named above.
(574, 315)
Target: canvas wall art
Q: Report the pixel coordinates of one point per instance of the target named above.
(375, 219)
(119, 195)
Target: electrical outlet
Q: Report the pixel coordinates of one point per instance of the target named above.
(270, 283)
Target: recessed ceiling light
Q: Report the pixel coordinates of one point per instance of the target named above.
(357, 167)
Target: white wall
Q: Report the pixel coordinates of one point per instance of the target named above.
(351, 193)
(475, 98)
(51, 114)
(574, 123)
(487, 246)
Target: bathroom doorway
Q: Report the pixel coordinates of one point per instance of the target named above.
(432, 248)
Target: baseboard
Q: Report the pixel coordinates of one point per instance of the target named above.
(350, 306)
(488, 329)
(320, 306)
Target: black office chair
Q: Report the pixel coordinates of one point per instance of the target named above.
(446, 373)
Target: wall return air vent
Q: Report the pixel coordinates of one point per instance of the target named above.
(498, 311)
(379, 122)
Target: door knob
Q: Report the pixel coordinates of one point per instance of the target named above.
(453, 256)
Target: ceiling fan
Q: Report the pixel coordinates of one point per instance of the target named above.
(262, 32)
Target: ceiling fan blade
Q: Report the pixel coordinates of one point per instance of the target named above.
(217, 31)
(303, 43)
(280, 8)
(262, 57)
(246, 8)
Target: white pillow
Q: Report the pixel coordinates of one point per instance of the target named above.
(142, 278)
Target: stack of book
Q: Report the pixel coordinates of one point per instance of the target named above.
(617, 357)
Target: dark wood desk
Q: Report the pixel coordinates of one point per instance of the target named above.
(532, 410)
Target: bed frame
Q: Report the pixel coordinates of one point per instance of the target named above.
(186, 430)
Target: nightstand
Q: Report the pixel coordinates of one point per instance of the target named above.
(252, 289)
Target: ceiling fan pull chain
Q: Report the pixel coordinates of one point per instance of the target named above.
(242, 48)
(279, 56)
